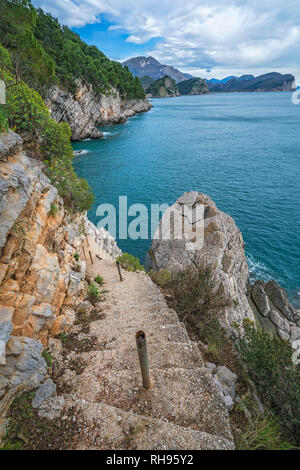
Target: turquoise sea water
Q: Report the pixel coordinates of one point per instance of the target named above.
(242, 149)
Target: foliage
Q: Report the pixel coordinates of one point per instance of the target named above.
(130, 262)
(3, 120)
(194, 292)
(27, 113)
(269, 363)
(44, 52)
(163, 87)
(63, 337)
(161, 278)
(99, 280)
(76, 257)
(93, 293)
(47, 356)
(194, 86)
(264, 434)
(53, 210)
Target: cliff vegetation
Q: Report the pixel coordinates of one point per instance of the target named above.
(45, 53)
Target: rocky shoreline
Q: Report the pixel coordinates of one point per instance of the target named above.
(86, 110)
(266, 304)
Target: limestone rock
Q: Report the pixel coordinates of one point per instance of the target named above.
(46, 390)
(260, 298)
(280, 299)
(52, 408)
(227, 380)
(88, 110)
(222, 250)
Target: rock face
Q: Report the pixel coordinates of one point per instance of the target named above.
(272, 302)
(87, 110)
(193, 86)
(223, 250)
(165, 87)
(141, 66)
(41, 284)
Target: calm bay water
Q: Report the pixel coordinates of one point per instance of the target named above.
(241, 149)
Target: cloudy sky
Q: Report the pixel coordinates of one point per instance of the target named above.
(208, 38)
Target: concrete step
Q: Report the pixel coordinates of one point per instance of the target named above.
(183, 355)
(120, 335)
(108, 428)
(114, 315)
(186, 397)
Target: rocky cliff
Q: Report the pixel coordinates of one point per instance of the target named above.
(223, 250)
(141, 66)
(86, 110)
(193, 86)
(165, 87)
(41, 283)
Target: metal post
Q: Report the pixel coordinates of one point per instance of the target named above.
(91, 257)
(119, 269)
(143, 358)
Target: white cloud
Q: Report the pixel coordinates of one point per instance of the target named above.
(199, 34)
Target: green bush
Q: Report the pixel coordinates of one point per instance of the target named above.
(264, 434)
(93, 293)
(3, 121)
(193, 290)
(47, 356)
(161, 278)
(269, 363)
(46, 52)
(99, 280)
(76, 256)
(130, 262)
(27, 113)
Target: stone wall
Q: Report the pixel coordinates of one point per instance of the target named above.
(87, 110)
(41, 283)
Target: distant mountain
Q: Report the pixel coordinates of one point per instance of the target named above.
(141, 66)
(224, 80)
(193, 86)
(267, 82)
(164, 87)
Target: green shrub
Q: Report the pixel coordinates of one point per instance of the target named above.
(130, 263)
(99, 280)
(27, 113)
(47, 356)
(76, 257)
(269, 363)
(161, 278)
(193, 290)
(3, 120)
(93, 293)
(53, 210)
(63, 337)
(264, 434)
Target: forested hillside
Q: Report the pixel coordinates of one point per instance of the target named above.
(44, 52)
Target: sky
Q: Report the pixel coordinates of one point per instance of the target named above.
(206, 38)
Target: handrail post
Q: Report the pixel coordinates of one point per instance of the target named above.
(143, 358)
(119, 269)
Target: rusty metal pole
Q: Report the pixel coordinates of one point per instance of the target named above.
(143, 358)
(119, 269)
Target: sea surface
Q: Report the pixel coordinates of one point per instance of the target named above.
(242, 149)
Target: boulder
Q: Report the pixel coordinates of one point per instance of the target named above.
(46, 390)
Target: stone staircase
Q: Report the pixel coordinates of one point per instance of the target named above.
(182, 410)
